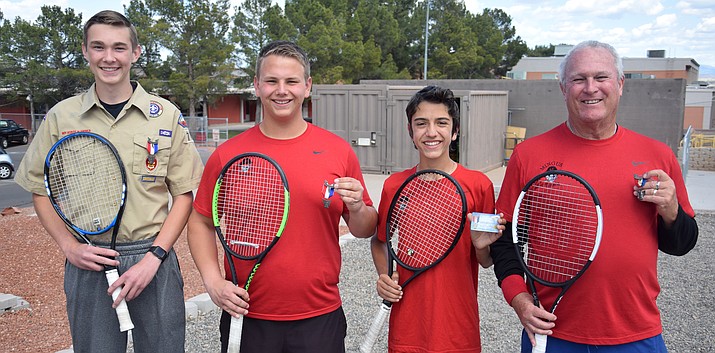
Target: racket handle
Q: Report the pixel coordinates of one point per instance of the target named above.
(125, 321)
(375, 328)
(234, 334)
(540, 346)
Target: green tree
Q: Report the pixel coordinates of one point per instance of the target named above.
(321, 34)
(255, 24)
(541, 51)
(63, 37)
(514, 48)
(379, 34)
(279, 26)
(43, 59)
(197, 38)
(347, 40)
(150, 69)
(63, 48)
(407, 53)
(455, 49)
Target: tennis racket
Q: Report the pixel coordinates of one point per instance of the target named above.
(250, 209)
(424, 222)
(87, 186)
(556, 231)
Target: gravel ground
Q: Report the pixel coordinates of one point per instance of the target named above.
(687, 300)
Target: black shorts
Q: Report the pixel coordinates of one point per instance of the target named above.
(324, 333)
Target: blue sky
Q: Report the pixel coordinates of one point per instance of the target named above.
(683, 28)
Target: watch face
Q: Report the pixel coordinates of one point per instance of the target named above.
(159, 252)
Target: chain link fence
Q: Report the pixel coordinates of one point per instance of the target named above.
(207, 131)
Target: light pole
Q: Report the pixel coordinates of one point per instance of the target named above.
(426, 37)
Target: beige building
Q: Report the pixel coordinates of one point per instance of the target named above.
(698, 108)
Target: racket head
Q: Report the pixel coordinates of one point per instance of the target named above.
(556, 227)
(250, 205)
(425, 219)
(85, 181)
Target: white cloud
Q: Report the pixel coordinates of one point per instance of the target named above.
(706, 26)
(612, 8)
(29, 10)
(697, 7)
(665, 21)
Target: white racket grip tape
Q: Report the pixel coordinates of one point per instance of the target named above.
(125, 321)
(234, 334)
(375, 329)
(540, 346)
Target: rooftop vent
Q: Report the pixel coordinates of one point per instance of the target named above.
(656, 53)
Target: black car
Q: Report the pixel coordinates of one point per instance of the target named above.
(12, 132)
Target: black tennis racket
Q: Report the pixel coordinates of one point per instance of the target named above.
(250, 209)
(556, 232)
(424, 222)
(87, 186)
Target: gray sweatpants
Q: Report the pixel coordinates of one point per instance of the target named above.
(158, 312)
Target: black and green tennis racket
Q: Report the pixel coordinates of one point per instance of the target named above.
(250, 209)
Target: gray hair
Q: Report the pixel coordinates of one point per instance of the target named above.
(617, 61)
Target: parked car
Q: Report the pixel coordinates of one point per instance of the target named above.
(12, 132)
(6, 166)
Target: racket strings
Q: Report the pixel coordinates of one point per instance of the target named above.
(425, 221)
(86, 183)
(556, 228)
(251, 202)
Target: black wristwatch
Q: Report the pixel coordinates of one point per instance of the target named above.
(159, 252)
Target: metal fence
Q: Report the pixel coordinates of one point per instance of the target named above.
(686, 152)
(207, 131)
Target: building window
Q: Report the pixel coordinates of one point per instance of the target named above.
(634, 75)
(548, 76)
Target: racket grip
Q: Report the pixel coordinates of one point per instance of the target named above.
(540, 346)
(375, 329)
(125, 321)
(234, 334)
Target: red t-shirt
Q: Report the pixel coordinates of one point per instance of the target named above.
(439, 310)
(299, 277)
(614, 302)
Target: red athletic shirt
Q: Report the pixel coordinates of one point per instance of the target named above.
(299, 277)
(614, 302)
(439, 310)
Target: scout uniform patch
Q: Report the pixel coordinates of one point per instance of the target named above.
(155, 109)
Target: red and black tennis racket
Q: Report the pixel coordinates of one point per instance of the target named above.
(250, 209)
(424, 222)
(87, 186)
(556, 230)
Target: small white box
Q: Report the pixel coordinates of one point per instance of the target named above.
(485, 222)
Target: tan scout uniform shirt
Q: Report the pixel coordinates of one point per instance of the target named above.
(178, 165)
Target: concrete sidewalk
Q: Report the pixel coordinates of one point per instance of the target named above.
(701, 189)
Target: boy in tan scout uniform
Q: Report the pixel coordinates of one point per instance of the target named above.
(161, 161)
